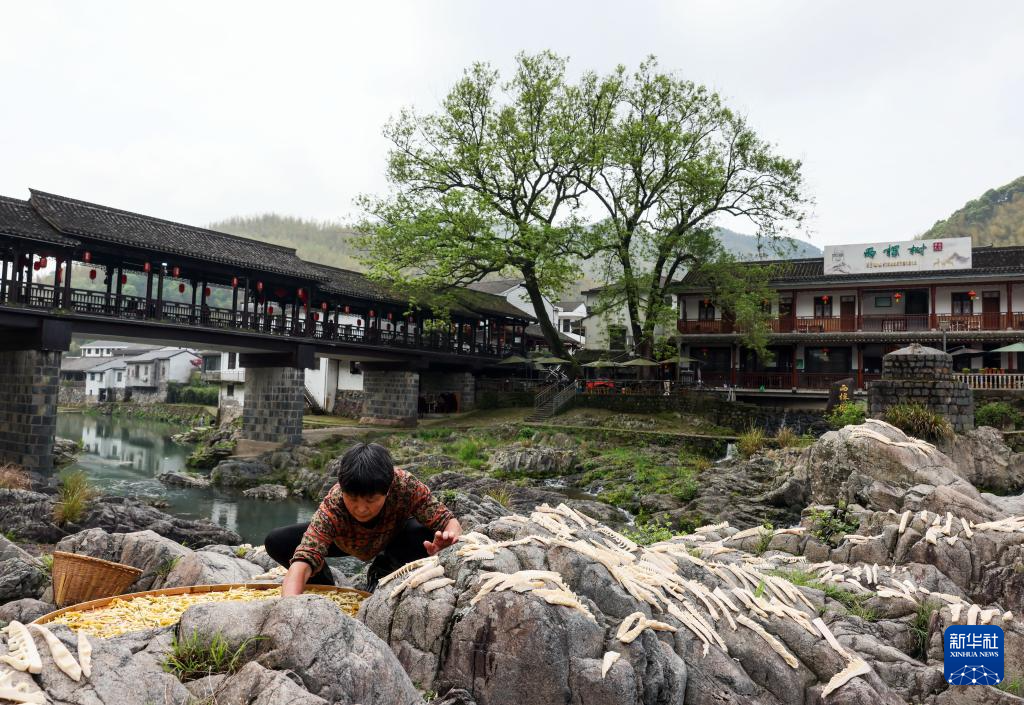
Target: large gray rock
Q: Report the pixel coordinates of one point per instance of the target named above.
(21, 575)
(65, 451)
(29, 515)
(119, 677)
(333, 656)
(25, 610)
(208, 568)
(270, 493)
(982, 458)
(256, 685)
(181, 479)
(539, 461)
(151, 553)
(244, 473)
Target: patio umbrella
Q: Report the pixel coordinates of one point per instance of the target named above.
(639, 362)
(1015, 347)
(682, 360)
(514, 360)
(601, 363)
(967, 351)
(550, 361)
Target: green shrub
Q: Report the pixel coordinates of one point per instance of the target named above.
(830, 525)
(195, 657)
(751, 441)
(764, 538)
(997, 414)
(468, 450)
(46, 562)
(73, 497)
(849, 413)
(647, 532)
(203, 394)
(920, 422)
(702, 464)
(786, 437)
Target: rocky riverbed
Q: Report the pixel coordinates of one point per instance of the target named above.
(891, 541)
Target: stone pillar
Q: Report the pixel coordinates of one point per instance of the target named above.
(274, 403)
(390, 396)
(920, 375)
(29, 386)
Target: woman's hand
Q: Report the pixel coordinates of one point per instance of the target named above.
(444, 539)
(295, 579)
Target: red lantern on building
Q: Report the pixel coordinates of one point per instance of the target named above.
(234, 282)
(92, 273)
(147, 267)
(302, 294)
(270, 310)
(824, 299)
(704, 351)
(181, 288)
(206, 292)
(124, 279)
(324, 306)
(175, 271)
(897, 296)
(35, 266)
(316, 316)
(348, 309)
(87, 256)
(973, 294)
(259, 286)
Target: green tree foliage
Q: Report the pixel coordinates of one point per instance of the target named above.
(997, 218)
(490, 183)
(673, 159)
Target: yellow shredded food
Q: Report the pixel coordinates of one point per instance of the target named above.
(123, 616)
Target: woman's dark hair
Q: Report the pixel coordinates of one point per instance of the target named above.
(366, 469)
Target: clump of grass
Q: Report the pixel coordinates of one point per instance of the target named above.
(919, 421)
(165, 567)
(501, 495)
(786, 437)
(855, 604)
(702, 464)
(241, 551)
(14, 477)
(10, 535)
(46, 563)
(1013, 686)
(830, 525)
(765, 538)
(73, 497)
(194, 657)
(448, 496)
(849, 413)
(800, 578)
(469, 450)
(919, 628)
(647, 532)
(751, 441)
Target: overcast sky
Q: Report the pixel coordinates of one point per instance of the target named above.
(196, 111)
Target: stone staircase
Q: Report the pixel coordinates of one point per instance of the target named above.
(552, 399)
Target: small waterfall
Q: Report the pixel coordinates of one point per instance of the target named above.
(730, 453)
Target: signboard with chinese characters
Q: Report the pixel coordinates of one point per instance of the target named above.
(905, 256)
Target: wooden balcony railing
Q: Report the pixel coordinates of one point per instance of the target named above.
(876, 323)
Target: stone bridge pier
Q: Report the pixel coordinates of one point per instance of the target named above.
(275, 388)
(392, 392)
(29, 384)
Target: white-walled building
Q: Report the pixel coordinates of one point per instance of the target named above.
(106, 381)
(323, 383)
(567, 316)
(148, 374)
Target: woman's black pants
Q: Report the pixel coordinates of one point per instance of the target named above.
(406, 546)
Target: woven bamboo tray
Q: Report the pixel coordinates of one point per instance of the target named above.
(104, 601)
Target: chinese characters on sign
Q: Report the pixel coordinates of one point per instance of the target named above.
(911, 255)
(973, 654)
(844, 393)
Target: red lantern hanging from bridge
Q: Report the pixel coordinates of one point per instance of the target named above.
(92, 273)
(206, 291)
(259, 286)
(124, 279)
(371, 313)
(35, 266)
(42, 262)
(389, 315)
(234, 282)
(181, 288)
(348, 309)
(270, 310)
(147, 267)
(175, 271)
(302, 294)
(324, 306)
(87, 256)
(316, 316)
(359, 322)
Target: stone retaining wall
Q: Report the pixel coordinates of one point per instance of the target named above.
(390, 396)
(920, 375)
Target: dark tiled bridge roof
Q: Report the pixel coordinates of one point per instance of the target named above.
(19, 219)
(89, 220)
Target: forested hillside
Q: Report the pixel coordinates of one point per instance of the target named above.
(316, 241)
(997, 218)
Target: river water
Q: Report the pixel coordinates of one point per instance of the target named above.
(123, 456)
